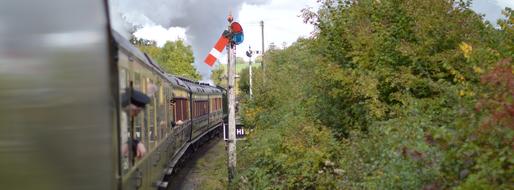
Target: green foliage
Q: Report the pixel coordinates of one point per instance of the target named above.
(244, 80)
(288, 150)
(174, 57)
(294, 154)
(218, 76)
(479, 153)
(240, 65)
(389, 94)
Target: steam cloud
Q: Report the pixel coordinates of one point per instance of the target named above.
(204, 20)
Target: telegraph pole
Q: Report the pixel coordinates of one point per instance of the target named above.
(249, 54)
(231, 108)
(262, 54)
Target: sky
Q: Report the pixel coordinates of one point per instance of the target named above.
(491, 8)
(282, 26)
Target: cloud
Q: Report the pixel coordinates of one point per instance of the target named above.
(506, 3)
(203, 20)
(161, 35)
(492, 9)
(281, 23)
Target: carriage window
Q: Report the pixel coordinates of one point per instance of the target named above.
(139, 120)
(204, 107)
(161, 114)
(177, 110)
(188, 113)
(171, 108)
(150, 119)
(124, 122)
(218, 101)
(213, 105)
(183, 109)
(195, 109)
(200, 108)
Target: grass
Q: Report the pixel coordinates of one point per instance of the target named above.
(241, 66)
(214, 168)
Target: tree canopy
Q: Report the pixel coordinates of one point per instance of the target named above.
(218, 76)
(174, 57)
(389, 94)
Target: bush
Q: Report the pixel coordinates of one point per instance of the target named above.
(385, 97)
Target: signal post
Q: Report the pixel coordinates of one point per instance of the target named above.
(235, 34)
(229, 39)
(231, 142)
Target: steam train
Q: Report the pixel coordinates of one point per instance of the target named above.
(63, 72)
(181, 115)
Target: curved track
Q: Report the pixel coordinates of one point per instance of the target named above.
(194, 174)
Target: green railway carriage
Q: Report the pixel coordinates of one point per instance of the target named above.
(199, 109)
(205, 117)
(215, 106)
(181, 122)
(62, 121)
(173, 123)
(58, 113)
(151, 127)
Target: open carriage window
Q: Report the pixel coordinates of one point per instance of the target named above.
(124, 122)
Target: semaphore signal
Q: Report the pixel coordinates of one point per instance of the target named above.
(215, 52)
(234, 35)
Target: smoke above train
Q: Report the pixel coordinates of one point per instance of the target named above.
(203, 20)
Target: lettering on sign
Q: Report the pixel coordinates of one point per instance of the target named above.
(240, 132)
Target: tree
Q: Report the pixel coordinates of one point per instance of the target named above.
(240, 60)
(412, 93)
(258, 59)
(244, 81)
(218, 76)
(174, 57)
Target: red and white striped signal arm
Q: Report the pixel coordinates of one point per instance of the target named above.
(215, 52)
